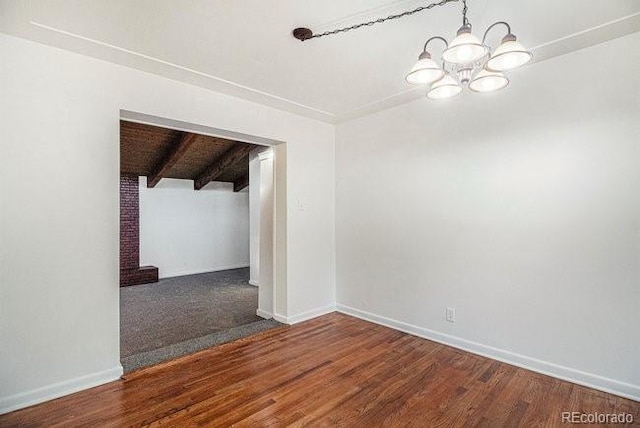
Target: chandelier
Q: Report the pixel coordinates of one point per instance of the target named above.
(468, 61)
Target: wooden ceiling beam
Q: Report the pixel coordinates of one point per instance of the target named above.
(215, 170)
(241, 183)
(170, 159)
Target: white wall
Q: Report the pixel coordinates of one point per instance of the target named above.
(185, 231)
(254, 219)
(59, 177)
(266, 238)
(520, 209)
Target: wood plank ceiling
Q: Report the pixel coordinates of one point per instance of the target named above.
(157, 153)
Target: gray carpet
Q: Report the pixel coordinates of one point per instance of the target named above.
(181, 315)
(176, 350)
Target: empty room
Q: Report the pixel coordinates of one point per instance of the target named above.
(319, 213)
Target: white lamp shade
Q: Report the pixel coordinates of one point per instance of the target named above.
(447, 87)
(425, 71)
(465, 48)
(509, 55)
(488, 81)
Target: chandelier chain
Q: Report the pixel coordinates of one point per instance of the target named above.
(465, 21)
(388, 18)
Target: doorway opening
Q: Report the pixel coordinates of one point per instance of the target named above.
(198, 238)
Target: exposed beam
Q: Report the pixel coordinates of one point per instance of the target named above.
(215, 170)
(171, 158)
(241, 183)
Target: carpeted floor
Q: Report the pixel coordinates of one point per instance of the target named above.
(181, 315)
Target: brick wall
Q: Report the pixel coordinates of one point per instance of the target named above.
(130, 271)
(129, 222)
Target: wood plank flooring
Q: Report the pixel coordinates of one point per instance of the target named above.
(333, 370)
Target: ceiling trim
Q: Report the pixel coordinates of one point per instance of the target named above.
(238, 90)
(589, 37)
(583, 39)
(385, 9)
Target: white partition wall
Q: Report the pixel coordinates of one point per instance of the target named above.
(266, 236)
(254, 219)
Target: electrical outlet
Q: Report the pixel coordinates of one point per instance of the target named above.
(451, 314)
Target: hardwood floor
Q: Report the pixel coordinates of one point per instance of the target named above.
(333, 370)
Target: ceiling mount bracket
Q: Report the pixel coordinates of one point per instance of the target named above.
(302, 34)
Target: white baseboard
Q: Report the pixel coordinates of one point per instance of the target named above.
(280, 318)
(314, 313)
(46, 393)
(254, 283)
(579, 377)
(163, 275)
(264, 314)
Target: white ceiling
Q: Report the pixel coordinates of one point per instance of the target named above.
(245, 48)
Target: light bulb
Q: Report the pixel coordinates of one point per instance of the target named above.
(509, 55)
(425, 71)
(465, 48)
(488, 81)
(447, 87)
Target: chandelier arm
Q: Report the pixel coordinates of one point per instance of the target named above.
(484, 38)
(446, 44)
